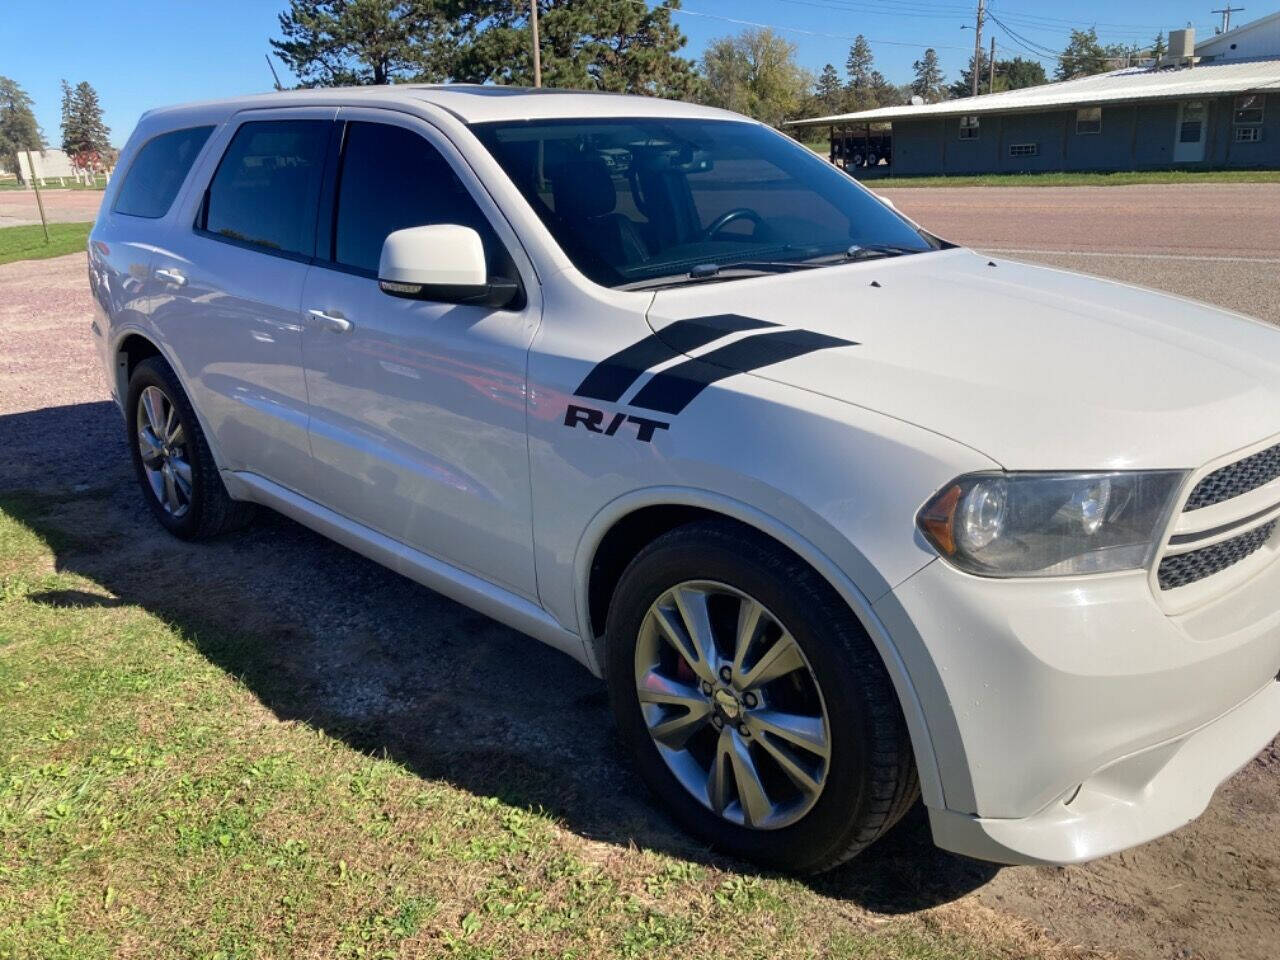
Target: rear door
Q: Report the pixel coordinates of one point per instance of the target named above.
(229, 289)
(418, 408)
(1188, 146)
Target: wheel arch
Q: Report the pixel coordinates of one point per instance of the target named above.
(630, 522)
(132, 346)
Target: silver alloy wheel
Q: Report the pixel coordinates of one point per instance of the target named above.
(163, 447)
(732, 704)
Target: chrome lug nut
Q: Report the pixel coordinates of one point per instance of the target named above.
(743, 731)
(750, 701)
(725, 674)
(718, 721)
(706, 687)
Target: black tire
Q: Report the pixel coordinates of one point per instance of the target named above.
(209, 509)
(871, 779)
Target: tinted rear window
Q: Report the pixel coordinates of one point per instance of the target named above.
(157, 172)
(268, 184)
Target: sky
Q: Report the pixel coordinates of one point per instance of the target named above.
(141, 54)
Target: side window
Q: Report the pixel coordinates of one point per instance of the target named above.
(392, 178)
(157, 172)
(268, 185)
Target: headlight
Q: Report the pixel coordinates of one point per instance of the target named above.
(1050, 524)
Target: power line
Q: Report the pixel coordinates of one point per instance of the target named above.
(811, 33)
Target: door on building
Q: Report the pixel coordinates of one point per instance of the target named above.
(1188, 144)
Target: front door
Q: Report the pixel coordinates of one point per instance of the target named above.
(418, 409)
(1188, 146)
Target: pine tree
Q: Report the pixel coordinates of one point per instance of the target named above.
(859, 65)
(1158, 47)
(331, 43)
(616, 45)
(85, 137)
(18, 128)
(928, 80)
(828, 90)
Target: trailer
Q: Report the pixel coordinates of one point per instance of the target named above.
(852, 148)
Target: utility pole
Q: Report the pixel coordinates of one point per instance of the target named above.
(35, 182)
(991, 80)
(537, 52)
(977, 45)
(1226, 16)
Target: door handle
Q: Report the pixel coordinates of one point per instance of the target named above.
(334, 322)
(171, 276)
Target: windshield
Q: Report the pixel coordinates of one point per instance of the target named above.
(631, 200)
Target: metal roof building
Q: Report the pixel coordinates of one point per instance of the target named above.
(1214, 104)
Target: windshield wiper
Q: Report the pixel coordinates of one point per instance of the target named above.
(705, 272)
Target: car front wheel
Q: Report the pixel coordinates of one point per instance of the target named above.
(757, 708)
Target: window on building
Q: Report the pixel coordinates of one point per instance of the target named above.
(1249, 108)
(268, 185)
(157, 172)
(392, 178)
(969, 128)
(1024, 149)
(1089, 120)
(1248, 134)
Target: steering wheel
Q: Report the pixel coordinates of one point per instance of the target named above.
(728, 217)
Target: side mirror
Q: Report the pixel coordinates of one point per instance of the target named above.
(441, 262)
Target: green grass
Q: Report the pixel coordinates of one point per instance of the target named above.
(152, 806)
(68, 183)
(1120, 179)
(28, 243)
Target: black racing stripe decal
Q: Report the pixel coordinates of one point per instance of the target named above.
(673, 389)
(613, 376)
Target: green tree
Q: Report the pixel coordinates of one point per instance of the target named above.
(85, 137)
(828, 91)
(1018, 73)
(614, 45)
(859, 68)
(1083, 56)
(755, 73)
(1158, 47)
(330, 43)
(963, 87)
(18, 128)
(928, 82)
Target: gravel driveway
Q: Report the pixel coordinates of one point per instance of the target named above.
(385, 664)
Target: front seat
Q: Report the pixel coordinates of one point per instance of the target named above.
(585, 199)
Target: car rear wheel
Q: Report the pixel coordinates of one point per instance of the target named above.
(171, 457)
(758, 710)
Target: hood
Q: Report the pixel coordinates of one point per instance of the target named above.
(1037, 368)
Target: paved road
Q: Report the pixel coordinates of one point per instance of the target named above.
(1218, 242)
(18, 207)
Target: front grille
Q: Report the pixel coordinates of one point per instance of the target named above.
(1185, 568)
(1236, 479)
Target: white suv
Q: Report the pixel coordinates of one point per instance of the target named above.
(842, 512)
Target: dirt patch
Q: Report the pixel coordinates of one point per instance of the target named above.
(324, 636)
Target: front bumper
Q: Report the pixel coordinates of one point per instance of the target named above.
(1073, 718)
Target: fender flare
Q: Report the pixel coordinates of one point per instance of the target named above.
(908, 698)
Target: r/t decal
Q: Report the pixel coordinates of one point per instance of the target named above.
(591, 418)
(677, 386)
